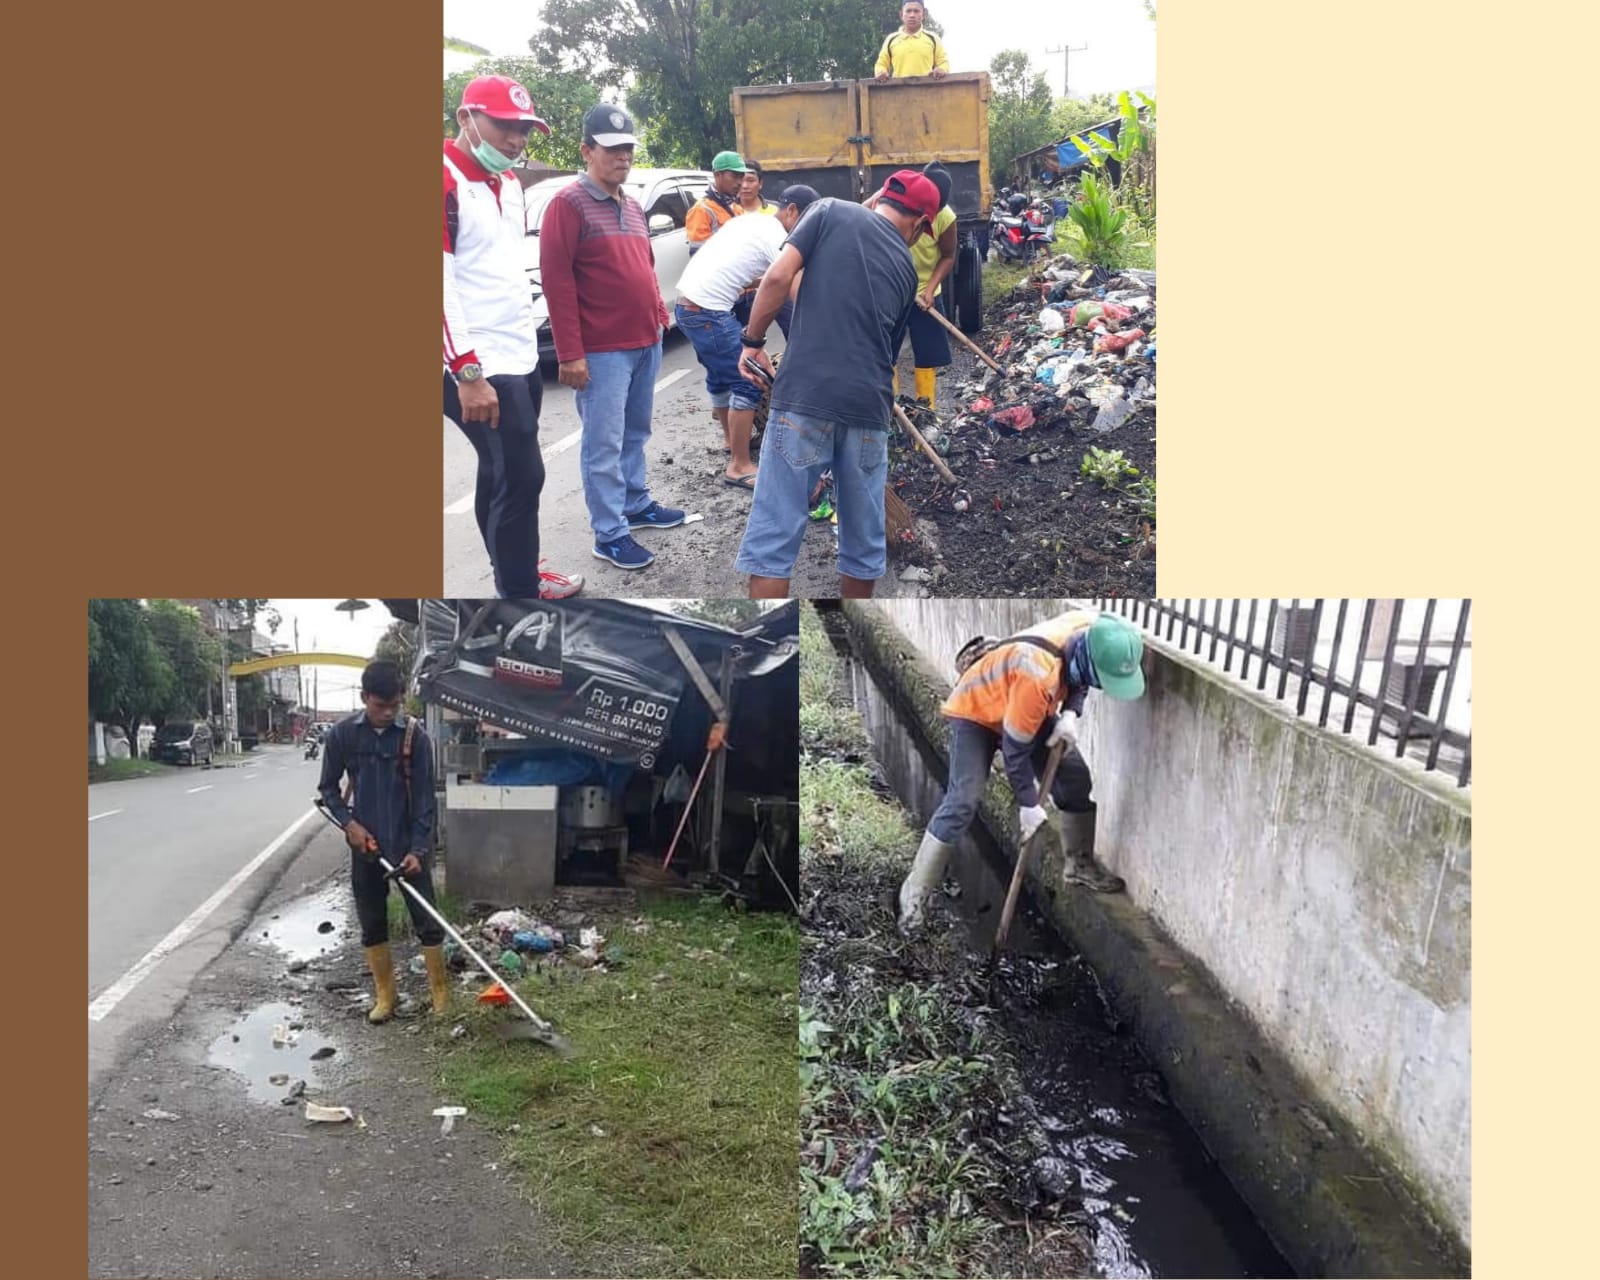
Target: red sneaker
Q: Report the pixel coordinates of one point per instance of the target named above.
(558, 586)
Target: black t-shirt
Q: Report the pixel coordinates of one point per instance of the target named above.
(849, 318)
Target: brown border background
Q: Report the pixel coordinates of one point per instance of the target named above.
(231, 293)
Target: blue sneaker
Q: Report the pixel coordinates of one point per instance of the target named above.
(625, 553)
(656, 516)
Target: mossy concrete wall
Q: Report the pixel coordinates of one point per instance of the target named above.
(1298, 918)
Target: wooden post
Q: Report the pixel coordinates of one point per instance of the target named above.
(721, 767)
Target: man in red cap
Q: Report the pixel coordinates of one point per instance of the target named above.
(831, 402)
(492, 387)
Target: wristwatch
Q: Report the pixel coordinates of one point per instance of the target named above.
(748, 341)
(469, 373)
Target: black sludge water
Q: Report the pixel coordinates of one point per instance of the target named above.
(1153, 1200)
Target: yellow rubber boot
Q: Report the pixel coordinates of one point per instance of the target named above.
(925, 385)
(438, 979)
(382, 966)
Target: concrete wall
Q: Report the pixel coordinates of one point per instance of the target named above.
(1327, 889)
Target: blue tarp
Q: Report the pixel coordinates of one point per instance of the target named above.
(543, 767)
(1069, 154)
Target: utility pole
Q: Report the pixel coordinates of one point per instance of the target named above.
(1066, 66)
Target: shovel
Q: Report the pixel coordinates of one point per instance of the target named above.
(540, 1031)
(1015, 891)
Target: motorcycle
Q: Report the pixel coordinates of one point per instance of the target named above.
(1018, 231)
(313, 746)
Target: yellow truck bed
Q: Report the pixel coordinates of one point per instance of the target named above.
(844, 137)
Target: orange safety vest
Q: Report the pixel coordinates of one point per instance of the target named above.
(1015, 687)
(707, 216)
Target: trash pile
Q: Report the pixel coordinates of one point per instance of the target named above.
(1076, 350)
(517, 943)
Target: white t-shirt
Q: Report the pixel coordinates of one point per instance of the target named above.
(732, 260)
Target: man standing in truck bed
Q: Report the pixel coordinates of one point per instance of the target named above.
(912, 51)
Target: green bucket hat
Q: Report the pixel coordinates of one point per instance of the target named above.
(1117, 651)
(728, 162)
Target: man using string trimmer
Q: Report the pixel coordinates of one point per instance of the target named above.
(1025, 695)
(389, 760)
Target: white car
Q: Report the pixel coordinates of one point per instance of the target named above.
(665, 195)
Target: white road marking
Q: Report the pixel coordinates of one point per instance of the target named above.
(192, 790)
(465, 503)
(248, 774)
(108, 999)
(95, 817)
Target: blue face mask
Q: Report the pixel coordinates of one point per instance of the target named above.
(491, 158)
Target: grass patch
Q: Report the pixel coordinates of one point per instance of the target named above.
(684, 1063)
(450, 907)
(899, 1075)
(1000, 278)
(120, 770)
(827, 721)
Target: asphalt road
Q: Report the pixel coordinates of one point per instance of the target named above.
(686, 465)
(159, 849)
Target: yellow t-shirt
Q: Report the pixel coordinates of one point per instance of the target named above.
(903, 54)
(925, 252)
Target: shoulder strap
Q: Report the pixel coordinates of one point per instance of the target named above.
(405, 761)
(1039, 642)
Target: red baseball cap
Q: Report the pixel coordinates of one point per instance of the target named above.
(504, 99)
(914, 191)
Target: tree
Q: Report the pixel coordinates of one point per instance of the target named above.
(734, 613)
(1019, 109)
(679, 60)
(193, 653)
(562, 99)
(129, 676)
(1072, 114)
(398, 645)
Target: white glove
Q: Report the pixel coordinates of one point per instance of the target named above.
(1032, 817)
(1064, 730)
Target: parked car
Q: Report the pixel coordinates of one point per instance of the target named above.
(665, 195)
(183, 742)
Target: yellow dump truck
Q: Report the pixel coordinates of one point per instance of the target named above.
(844, 137)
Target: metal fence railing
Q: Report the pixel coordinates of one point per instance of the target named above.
(1399, 670)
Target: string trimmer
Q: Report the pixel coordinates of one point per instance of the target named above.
(540, 1031)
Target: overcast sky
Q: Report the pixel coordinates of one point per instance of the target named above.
(323, 629)
(1120, 40)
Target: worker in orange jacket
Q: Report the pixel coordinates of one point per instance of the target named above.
(1023, 695)
(720, 204)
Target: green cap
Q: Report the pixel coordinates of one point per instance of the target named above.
(728, 162)
(1116, 650)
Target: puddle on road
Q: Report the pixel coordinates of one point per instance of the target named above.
(1156, 1203)
(247, 1050)
(309, 927)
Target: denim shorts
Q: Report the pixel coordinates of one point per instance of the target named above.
(798, 448)
(716, 338)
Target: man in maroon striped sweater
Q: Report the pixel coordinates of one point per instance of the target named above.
(607, 317)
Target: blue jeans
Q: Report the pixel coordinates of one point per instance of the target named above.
(615, 411)
(798, 449)
(972, 749)
(715, 338)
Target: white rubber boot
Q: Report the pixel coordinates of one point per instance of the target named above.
(923, 881)
(1077, 842)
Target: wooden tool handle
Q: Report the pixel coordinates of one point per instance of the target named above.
(963, 339)
(938, 462)
(1015, 890)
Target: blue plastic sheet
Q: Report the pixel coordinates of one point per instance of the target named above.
(553, 767)
(1069, 154)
